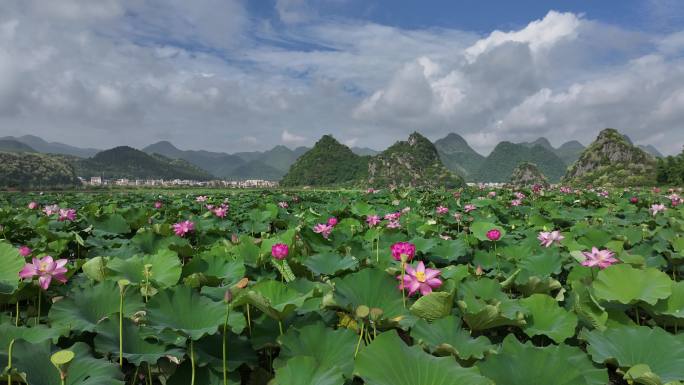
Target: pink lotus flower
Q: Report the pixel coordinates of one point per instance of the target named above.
(393, 216)
(182, 228)
(491, 194)
(33, 205)
(50, 209)
(158, 205)
(403, 251)
(469, 207)
(516, 202)
(67, 215)
(279, 251)
(332, 221)
(221, 211)
(372, 191)
(283, 205)
(493, 235)
(548, 238)
(537, 188)
(657, 208)
(323, 229)
(656, 190)
(420, 279)
(372, 220)
(25, 251)
(441, 210)
(566, 190)
(393, 225)
(634, 200)
(458, 217)
(201, 198)
(519, 195)
(46, 269)
(600, 258)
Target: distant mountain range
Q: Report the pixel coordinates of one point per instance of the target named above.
(414, 162)
(168, 160)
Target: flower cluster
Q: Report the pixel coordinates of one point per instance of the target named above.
(600, 258)
(183, 228)
(325, 228)
(547, 238)
(46, 269)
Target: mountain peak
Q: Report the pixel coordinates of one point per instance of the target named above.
(612, 160)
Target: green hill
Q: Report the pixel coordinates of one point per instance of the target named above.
(570, 151)
(127, 162)
(33, 170)
(414, 162)
(499, 165)
(527, 174)
(612, 160)
(328, 163)
(458, 156)
(670, 170)
(11, 145)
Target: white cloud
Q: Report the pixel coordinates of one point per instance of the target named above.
(207, 75)
(292, 139)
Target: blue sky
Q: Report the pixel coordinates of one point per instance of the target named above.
(234, 75)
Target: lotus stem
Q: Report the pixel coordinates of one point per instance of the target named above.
(403, 289)
(358, 343)
(280, 326)
(9, 362)
(121, 332)
(135, 375)
(192, 362)
(249, 322)
(39, 300)
(149, 373)
(225, 355)
(16, 319)
(636, 311)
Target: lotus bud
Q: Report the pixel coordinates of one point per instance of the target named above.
(375, 313)
(227, 296)
(362, 311)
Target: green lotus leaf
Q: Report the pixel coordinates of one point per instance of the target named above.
(209, 351)
(449, 250)
(203, 376)
(217, 266)
(370, 287)
(433, 306)
(446, 336)
(34, 335)
(672, 306)
(624, 284)
(330, 263)
(587, 308)
(629, 346)
(83, 309)
(111, 223)
(273, 298)
(11, 262)
(389, 361)
(185, 311)
(34, 361)
(525, 364)
(547, 318)
(165, 268)
(307, 370)
(480, 230)
(95, 268)
(642, 374)
(485, 306)
(136, 348)
(330, 348)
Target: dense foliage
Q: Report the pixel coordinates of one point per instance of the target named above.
(458, 156)
(527, 174)
(127, 162)
(670, 170)
(328, 163)
(32, 170)
(414, 162)
(612, 160)
(499, 165)
(302, 288)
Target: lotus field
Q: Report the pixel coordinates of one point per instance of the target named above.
(472, 287)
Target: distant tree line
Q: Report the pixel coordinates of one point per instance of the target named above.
(671, 170)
